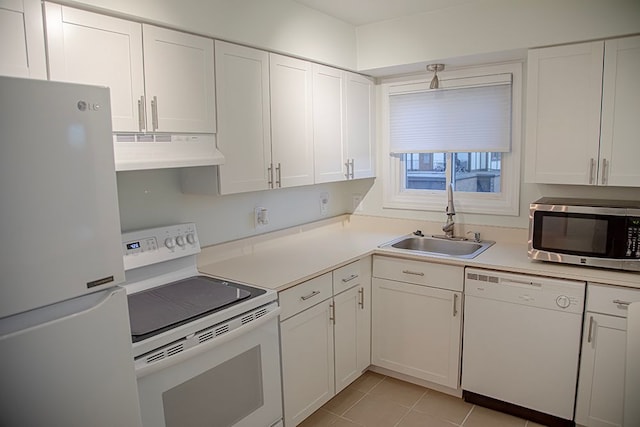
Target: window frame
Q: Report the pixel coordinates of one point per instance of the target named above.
(507, 202)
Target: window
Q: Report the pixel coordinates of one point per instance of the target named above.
(466, 134)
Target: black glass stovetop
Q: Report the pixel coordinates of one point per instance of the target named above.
(162, 308)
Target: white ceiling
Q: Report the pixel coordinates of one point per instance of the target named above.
(361, 12)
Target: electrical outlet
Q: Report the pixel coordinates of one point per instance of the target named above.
(324, 203)
(261, 217)
(357, 203)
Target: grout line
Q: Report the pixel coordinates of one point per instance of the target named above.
(468, 415)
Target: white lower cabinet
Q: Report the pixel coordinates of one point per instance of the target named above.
(417, 319)
(602, 367)
(325, 337)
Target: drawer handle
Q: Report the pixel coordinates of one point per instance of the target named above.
(415, 273)
(350, 278)
(589, 337)
(361, 298)
(311, 295)
(621, 302)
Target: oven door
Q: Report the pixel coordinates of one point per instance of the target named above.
(232, 380)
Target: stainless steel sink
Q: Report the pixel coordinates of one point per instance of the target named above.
(441, 246)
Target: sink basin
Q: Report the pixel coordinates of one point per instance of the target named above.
(430, 245)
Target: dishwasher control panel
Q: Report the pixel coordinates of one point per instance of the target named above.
(534, 291)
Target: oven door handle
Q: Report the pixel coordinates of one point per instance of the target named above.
(191, 352)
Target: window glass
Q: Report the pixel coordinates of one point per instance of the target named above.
(425, 171)
(477, 172)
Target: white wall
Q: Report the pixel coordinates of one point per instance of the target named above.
(490, 26)
(276, 25)
(153, 198)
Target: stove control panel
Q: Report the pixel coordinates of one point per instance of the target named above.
(153, 245)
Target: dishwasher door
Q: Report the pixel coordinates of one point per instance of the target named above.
(522, 340)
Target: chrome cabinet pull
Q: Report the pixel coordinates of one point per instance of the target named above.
(141, 114)
(348, 165)
(455, 305)
(352, 167)
(592, 168)
(279, 176)
(154, 113)
(311, 295)
(270, 177)
(415, 273)
(332, 312)
(621, 302)
(589, 338)
(350, 278)
(361, 298)
(605, 171)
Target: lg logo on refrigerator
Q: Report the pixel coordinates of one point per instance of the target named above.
(88, 106)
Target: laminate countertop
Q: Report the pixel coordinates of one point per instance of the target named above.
(286, 258)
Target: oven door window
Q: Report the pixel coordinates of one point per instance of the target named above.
(235, 383)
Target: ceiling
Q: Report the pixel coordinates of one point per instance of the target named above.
(362, 12)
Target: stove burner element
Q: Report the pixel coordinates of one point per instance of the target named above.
(158, 309)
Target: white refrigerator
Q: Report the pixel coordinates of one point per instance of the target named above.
(65, 344)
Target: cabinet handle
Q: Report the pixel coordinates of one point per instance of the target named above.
(589, 338)
(455, 305)
(415, 273)
(361, 298)
(621, 302)
(350, 278)
(352, 167)
(348, 165)
(311, 295)
(592, 168)
(332, 312)
(278, 176)
(270, 175)
(141, 113)
(154, 113)
(605, 171)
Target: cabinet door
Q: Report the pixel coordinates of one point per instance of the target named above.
(563, 113)
(244, 127)
(291, 121)
(89, 48)
(620, 140)
(352, 331)
(329, 145)
(307, 362)
(416, 330)
(601, 386)
(360, 122)
(179, 81)
(22, 39)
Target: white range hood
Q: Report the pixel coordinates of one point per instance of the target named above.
(158, 151)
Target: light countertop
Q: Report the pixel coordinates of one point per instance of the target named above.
(286, 258)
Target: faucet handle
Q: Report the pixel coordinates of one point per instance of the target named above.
(476, 235)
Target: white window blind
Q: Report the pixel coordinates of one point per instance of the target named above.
(463, 119)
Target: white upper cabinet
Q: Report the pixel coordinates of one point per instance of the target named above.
(291, 121)
(620, 134)
(244, 122)
(172, 92)
(89, 48)
(179, 81)
(582, 125)
(360, 121)
(329, 123)
(22, 39)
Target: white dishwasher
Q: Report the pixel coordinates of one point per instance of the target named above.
(522, 343)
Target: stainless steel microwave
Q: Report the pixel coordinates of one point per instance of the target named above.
(597, 233)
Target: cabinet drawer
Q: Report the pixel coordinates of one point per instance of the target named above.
(419, 272)
(613, 300)
(305, 295)
(347, 277)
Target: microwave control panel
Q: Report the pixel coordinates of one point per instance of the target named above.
(633, 237)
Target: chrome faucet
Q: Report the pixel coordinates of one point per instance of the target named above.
(450, 211)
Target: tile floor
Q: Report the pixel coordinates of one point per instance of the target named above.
(375, 400)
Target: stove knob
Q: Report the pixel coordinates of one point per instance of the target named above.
(180, 241)
(563, 301)
(191, 238)
(169, 243)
